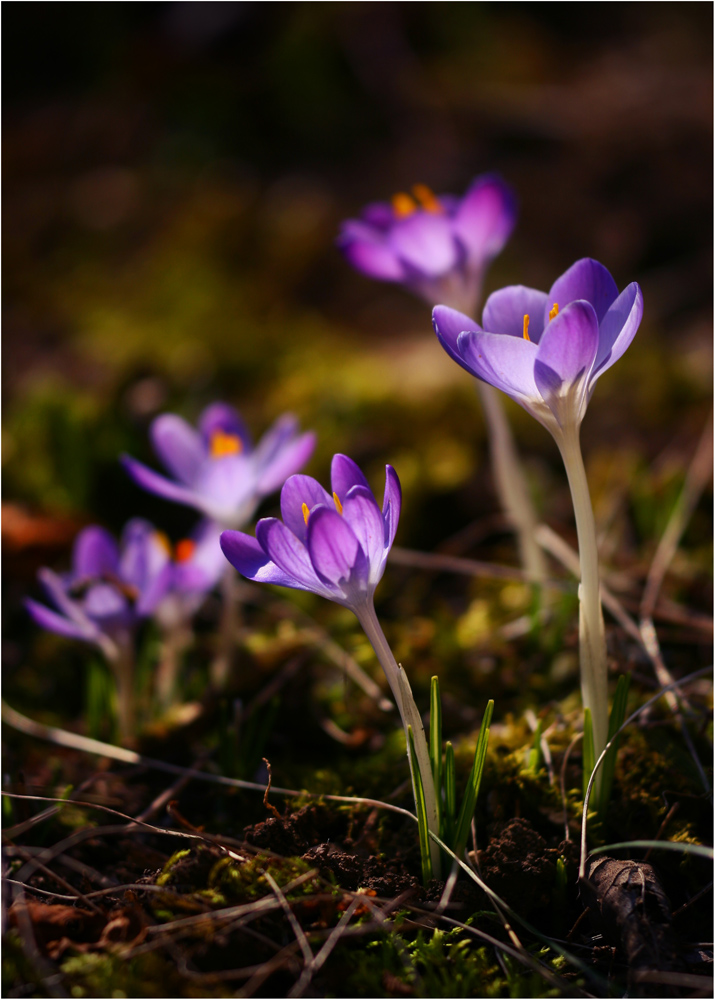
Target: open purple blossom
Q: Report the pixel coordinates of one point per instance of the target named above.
(547, 349)
(197, 566)
(215, 468)
(439, 247)
(110, 587)
(335, 546)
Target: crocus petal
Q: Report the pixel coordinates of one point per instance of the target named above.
(299, 490)
(53, 622)
(485, 218)
(505, 309)
(290, 555)
(224, 418)
(367, 251)
(57, 592)
(337, 556)
(143, 554)
(273, 441)
(154, 591)
(246, 555)
(344, 474)
(618, 328)
(288, 460)
(94, 553)
(161, 486)
(361, 513)
(203, 569)
(588, 280)
(504, 362)
(379, 214)
(104, 601)
(391, 505)
(178, 446)
(448, 324)
(425, 243)
(567, 349)
(227, 489)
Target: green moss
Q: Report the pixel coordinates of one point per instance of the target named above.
(111, 974)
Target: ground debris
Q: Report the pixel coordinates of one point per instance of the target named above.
(634, 912)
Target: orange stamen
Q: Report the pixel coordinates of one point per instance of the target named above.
(427, 198)
(184, 550)
(526, 327)
(403, 205)
(225, 444)
(338, 505)
(163, 540)
(306, 512)
(554, 311)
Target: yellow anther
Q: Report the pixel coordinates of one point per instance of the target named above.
(554, 311)
(184, 550)
(403, 205)
(338, 505)
(306, 512)
(526, 327)
(225, 444)
(427, 198)
(163, 541)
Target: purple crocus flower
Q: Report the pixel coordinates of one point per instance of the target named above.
(547, 350)
(109, 588)
(197, 566)
(215, 468)
(335, 546)
(437, 246)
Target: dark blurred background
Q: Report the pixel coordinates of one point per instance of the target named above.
(176, 173)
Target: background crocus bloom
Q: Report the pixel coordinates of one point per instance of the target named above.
(215, 468)
(437, 246)
(110, 587)
(546, 350)
(335, 546)
(197, 566)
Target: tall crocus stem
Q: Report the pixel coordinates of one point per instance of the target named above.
(230, 620)
(122, 664)
(592, 638)
(400, 687)
(510, 483)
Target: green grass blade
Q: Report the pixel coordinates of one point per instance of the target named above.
(421, 813)
(450, 794)
(589, 752)
(469, 801)
(618, 714)
(435, 739)
(534, 755)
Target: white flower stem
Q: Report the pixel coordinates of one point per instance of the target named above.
(592, 638)
(174, 642)
(410, 717)
(122, 664)
(228, 627)
(510, 483)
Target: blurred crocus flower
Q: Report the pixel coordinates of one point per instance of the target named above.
(215, 468)
(336, 545)
(437, 246)
(196, 568)
(547, 349)
(109, 589)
